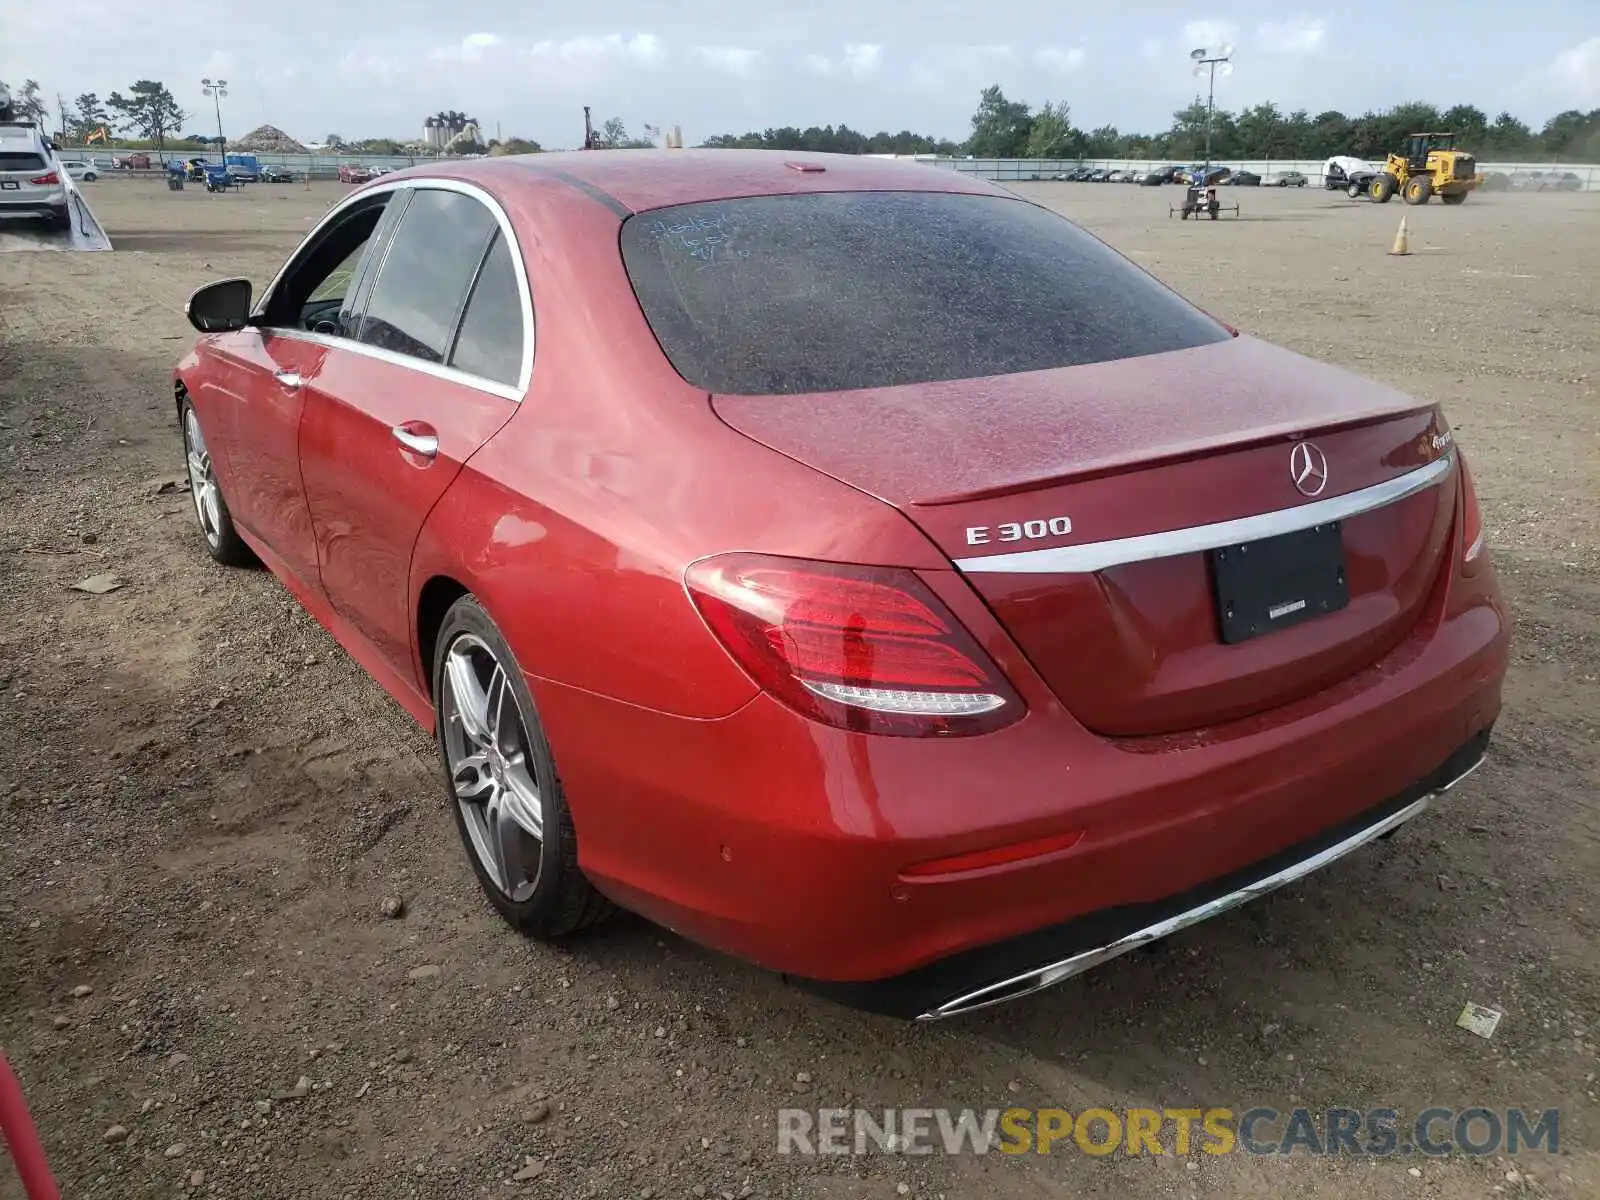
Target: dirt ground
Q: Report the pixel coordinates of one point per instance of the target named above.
(204, 804)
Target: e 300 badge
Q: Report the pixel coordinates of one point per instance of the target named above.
(1019, 531)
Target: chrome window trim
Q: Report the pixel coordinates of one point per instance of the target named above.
(1089, 557)
(493, 386)
(437, 370)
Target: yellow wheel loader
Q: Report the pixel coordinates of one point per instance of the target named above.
(1430, 166)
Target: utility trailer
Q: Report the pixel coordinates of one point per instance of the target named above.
(41, 205)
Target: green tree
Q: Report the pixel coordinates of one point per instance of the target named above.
(1469, 124)
(28, 103)
(1004, 128)
(1572, 134)
(1000, 127)
(88, 115)
(614, 136)
(1261, 132)
(149, 110)
(1104, 142)
(1050, 132)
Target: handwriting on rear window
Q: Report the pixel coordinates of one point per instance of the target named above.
(707, 240)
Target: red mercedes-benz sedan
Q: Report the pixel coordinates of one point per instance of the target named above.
(846, 563)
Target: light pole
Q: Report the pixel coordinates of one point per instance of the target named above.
(217, 90)
(1207, 61)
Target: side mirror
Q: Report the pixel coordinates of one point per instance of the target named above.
(220, 307)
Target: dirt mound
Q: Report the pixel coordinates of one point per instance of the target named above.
(271, 139)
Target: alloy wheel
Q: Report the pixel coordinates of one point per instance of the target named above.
(491, 770)
(202, 479)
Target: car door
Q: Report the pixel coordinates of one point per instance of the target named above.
(441, 358)
(250, 394)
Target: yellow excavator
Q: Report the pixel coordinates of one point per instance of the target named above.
(1430, 166)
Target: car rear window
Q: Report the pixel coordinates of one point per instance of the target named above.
(778, 295)
(14, 161)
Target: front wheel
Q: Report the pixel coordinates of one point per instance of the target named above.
(1382, 188)
(1355, 191)
(509, 806)
(210, 509)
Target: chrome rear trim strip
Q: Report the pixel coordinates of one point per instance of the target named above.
(1047, 976)
(1098, 556)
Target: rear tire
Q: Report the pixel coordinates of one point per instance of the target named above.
(1418, 189)
(1454, 198)
(500, 775)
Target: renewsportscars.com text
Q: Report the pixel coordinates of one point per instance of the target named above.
(1168, 1131)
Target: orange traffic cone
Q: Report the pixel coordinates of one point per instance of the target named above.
(1401, 245)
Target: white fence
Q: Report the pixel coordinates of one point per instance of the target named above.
(326, 166)
(1022, 169)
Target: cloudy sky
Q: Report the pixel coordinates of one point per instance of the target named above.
(366, 68)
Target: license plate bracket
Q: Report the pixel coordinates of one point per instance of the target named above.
(1278, 582)
(10, 185)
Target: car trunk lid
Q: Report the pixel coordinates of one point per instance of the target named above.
(1070, 499)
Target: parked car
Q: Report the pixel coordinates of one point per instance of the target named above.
(352, 173)
(30, 184)
(80, 169)
(1243, 178)
(1290, 179)
(272, 174)
(131, 162)
(709, 623)
(246, 168)
(1544, 181)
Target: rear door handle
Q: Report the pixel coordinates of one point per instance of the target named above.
(417, 438)
(289, 379)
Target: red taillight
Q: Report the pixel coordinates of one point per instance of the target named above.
(44, 180)
(863, 648)
(1472, 531)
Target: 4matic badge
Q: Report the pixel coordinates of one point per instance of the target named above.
(1019, 531)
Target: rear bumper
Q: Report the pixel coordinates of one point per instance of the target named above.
(1005, 971)
(35, 204)
(790, 845)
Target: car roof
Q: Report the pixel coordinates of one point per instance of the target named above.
(637, 180)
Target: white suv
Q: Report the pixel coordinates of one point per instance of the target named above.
(30, 181)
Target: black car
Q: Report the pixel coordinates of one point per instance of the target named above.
(276, 175)
(1354, 183)
(1245, 179)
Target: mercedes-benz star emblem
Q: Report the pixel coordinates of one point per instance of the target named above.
(1308, 468)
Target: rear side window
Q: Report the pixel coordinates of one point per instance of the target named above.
(420, 290)
(15, 161)
(828, 292)
(490, 341)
